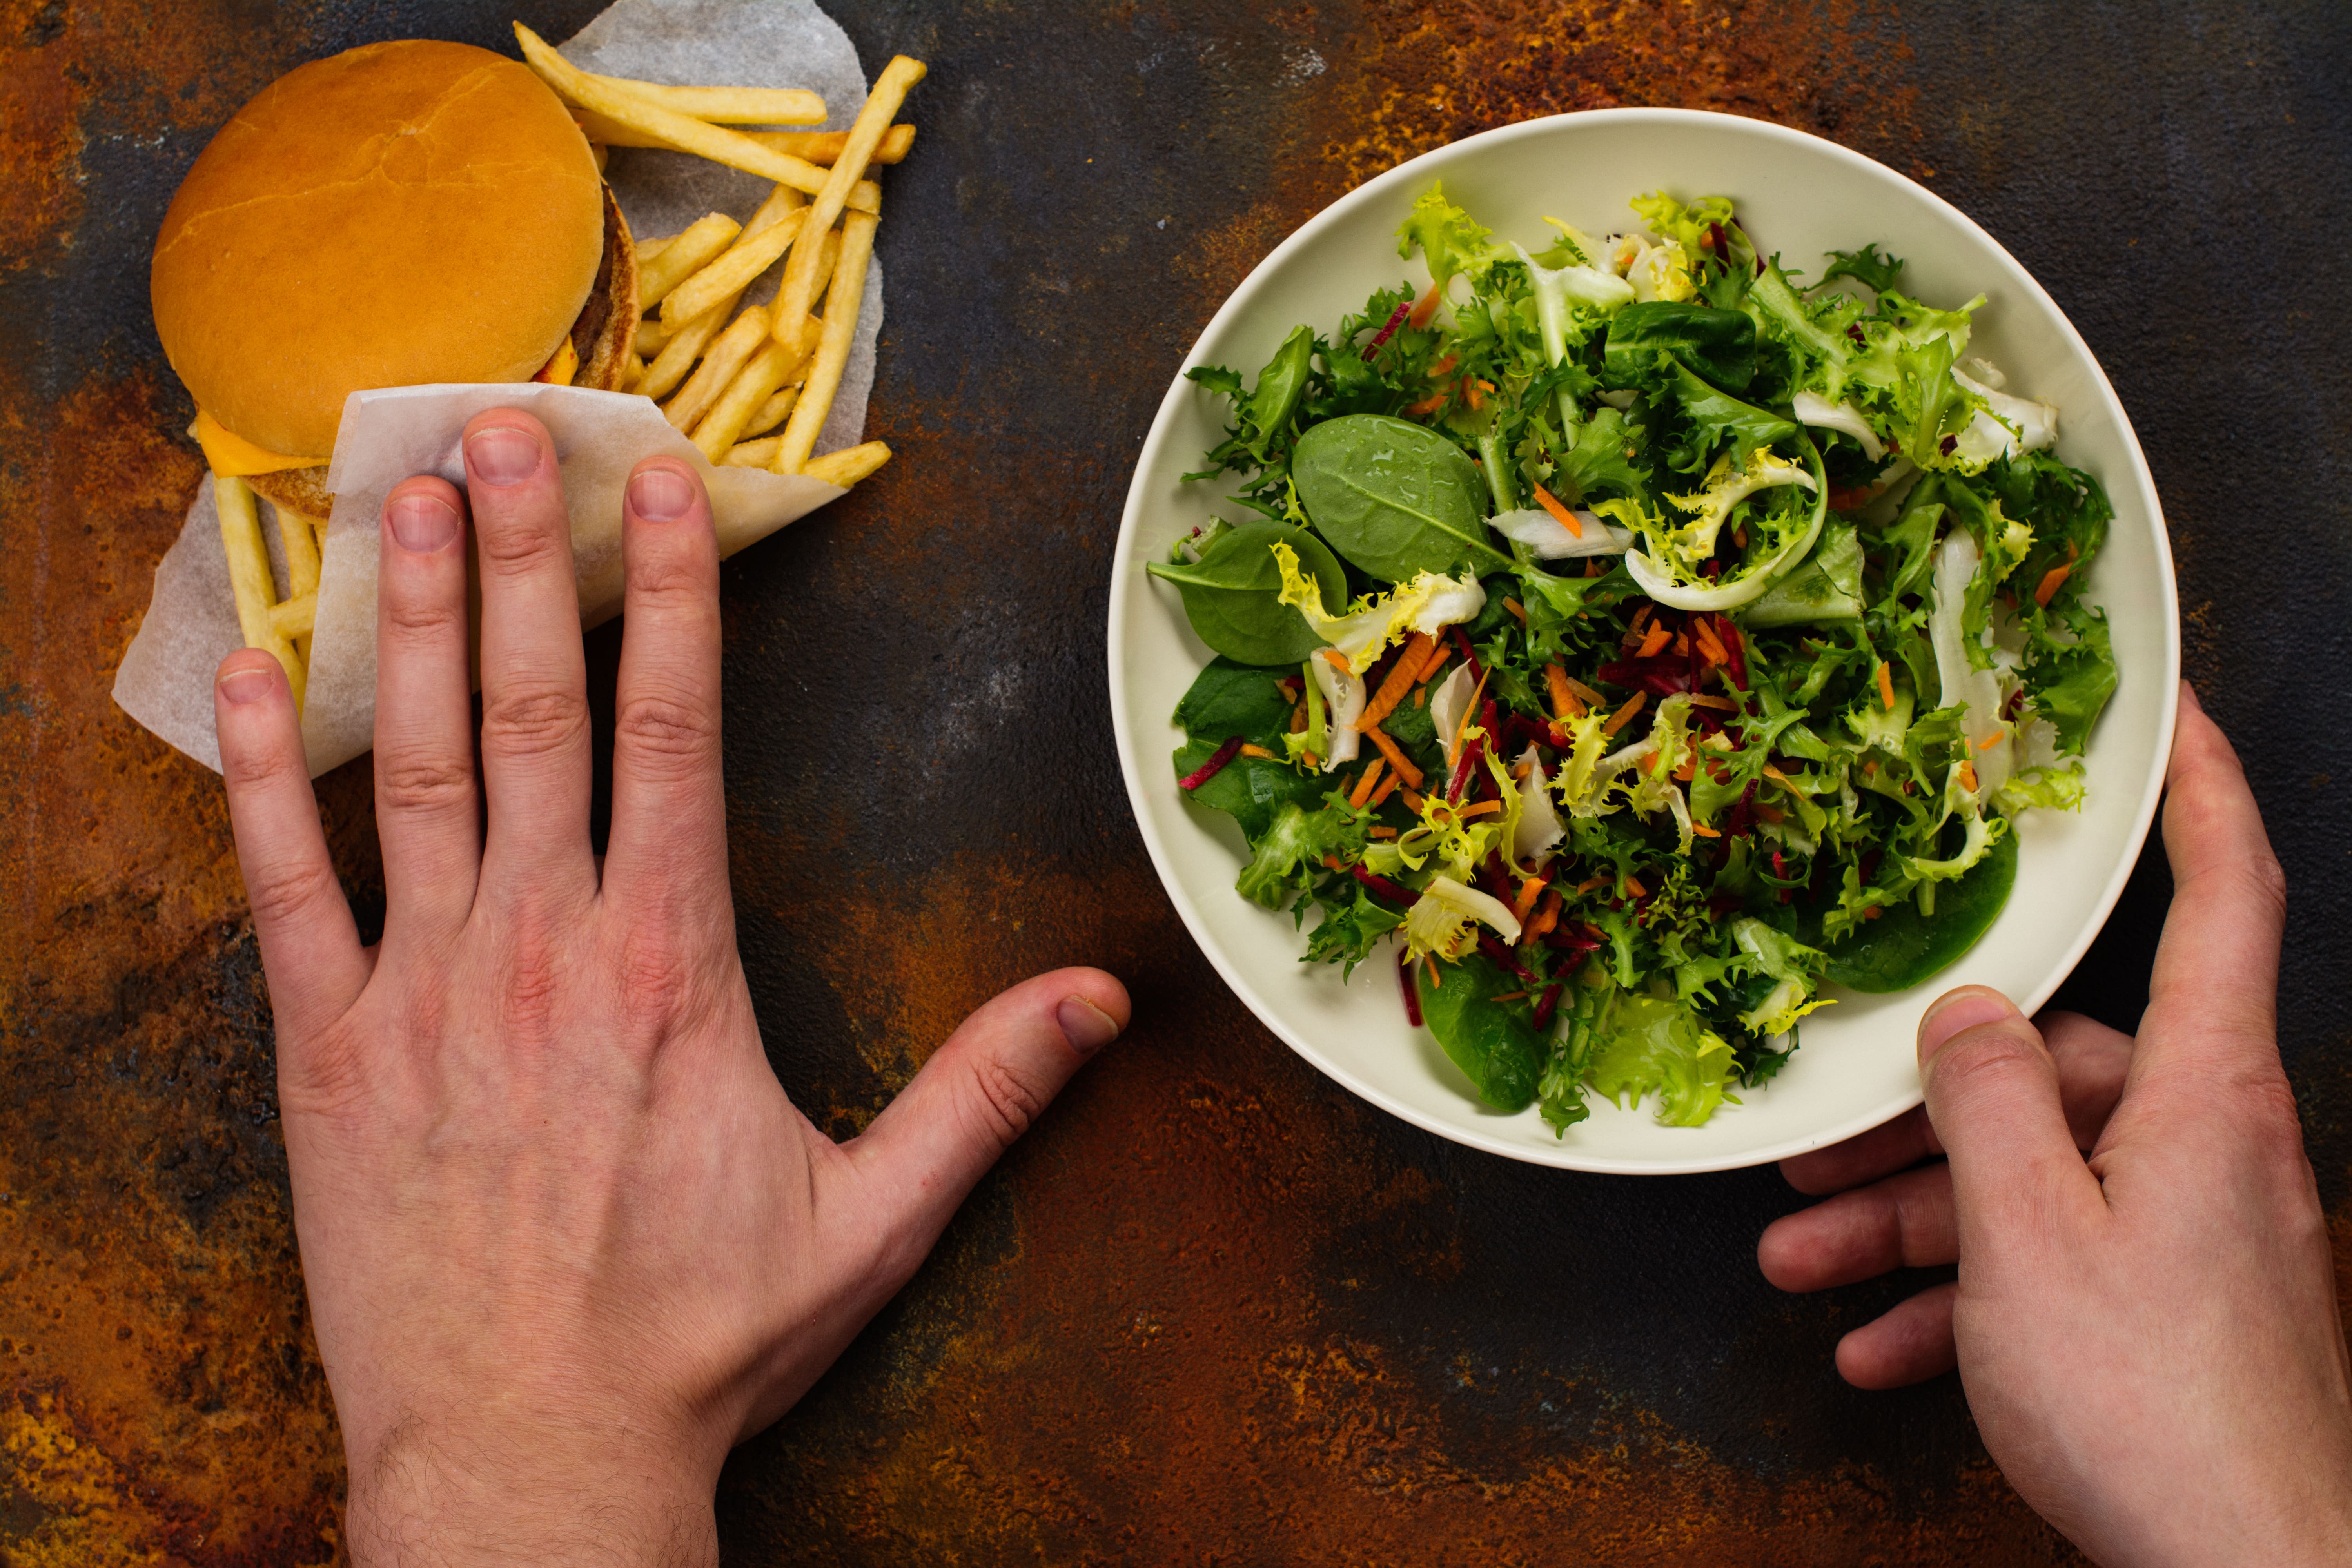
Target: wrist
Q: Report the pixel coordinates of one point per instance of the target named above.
(480, 1489)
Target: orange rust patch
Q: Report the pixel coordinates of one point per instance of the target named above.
(1433, 73)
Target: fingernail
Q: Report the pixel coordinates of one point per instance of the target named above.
(661, 495)
(422, 522)
(1958, 1011)
(1086, 1026)
(242, 685)
(502, 455)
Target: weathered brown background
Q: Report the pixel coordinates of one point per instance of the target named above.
(1214, 1310)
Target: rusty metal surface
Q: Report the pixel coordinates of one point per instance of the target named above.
(1212, 1310)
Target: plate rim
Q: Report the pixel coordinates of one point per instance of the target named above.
(1565, 1155)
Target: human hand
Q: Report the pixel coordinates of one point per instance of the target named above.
(2148, 1337)
(565, 1240)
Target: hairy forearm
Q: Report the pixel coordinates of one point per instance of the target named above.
(440, 1496)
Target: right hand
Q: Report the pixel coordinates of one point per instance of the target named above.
(2148, 1336)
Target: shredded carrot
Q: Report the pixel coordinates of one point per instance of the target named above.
(1589, 884)
(1299, 717)
(1481, 809)
(1431, 960)
(1564, 705)
(1968, 775)
(1331, 863)
(1725, 703)
(1337, 660)
(1887, 684)
(2051, 580)
(1439, 652)
(1559, 514)
(1413, 802)
(1388, 787)
(1430, 405)
(1872, 913)
(1518, 609)
(1453, 742)
(1398, 681)
(1703, 831)
(1709, 645)
(1363, 790)
(1424, 308)
(1682, 644)
(1690, 766)
(1252, 751)
(1989, 742)
(1530, 891)
(1770, 814)
(1474, 393)
(1509, 996)
(1520, 770)
(1419, 695)
(1397, 759)
(1382, 832)
(1870, 768)
(1778, 777)
(1288, 687)
(1657, 638)
(1546, 918)
(1589, 697)
(1624, 716)
(1633, 886)
(1441, 366)
(1641, 618)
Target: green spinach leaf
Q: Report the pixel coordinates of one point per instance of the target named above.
(1904, 947)
(1496, 1044)
(1393, 497)
(1720, 345)
(1231, 595)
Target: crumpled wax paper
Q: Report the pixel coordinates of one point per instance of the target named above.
(165, 680)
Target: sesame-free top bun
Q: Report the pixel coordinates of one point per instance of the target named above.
(399, 213)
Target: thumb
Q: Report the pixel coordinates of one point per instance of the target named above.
(977, 1094)
(1994, 1098)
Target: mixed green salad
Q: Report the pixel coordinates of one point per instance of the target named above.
(1639, 635)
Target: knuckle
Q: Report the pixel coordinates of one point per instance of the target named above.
(421, 784)
(520, 546)
(1004, 1101)
(1982, 1060)
(286, 891)
(657, 728)
(672, 578)
(534, 985)
(415, 617)
(261, 768)
(654, 977)
(528, 719)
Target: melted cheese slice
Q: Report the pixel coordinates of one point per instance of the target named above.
(231, 455)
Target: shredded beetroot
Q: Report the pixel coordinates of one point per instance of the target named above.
(1736, 648)
(1578, 939)
(1462, 642)
(1493, 948)
(1659, 676)
(1396, 892)
(1547, 1005)
(1395, 321)
(1742, 812)
(1471, 752)
(1214, 767)
(1412, 993)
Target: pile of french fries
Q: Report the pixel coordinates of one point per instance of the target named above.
(726, 374)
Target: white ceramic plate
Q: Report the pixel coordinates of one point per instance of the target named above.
(1797, 196)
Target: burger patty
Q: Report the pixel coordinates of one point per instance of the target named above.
(603, 336)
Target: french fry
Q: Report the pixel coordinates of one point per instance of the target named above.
(677, 358)
(248, 577)
(763, 374)
(751, 454)
(298, 536)
(728, 105)
(841, 303)
(688, 254)
(797, 296)
(724, 357)
(651, 336)
(866, 197)
(602, 153)
(731, 273)
(632, 372)
(849, 465)
(824, 146)
(770, 413)
(646, 249)
(681, 132)
(781, 202)
(292, 618)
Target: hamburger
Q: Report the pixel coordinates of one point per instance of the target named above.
(400, 214)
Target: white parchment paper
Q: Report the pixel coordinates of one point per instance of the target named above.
(165, 680)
